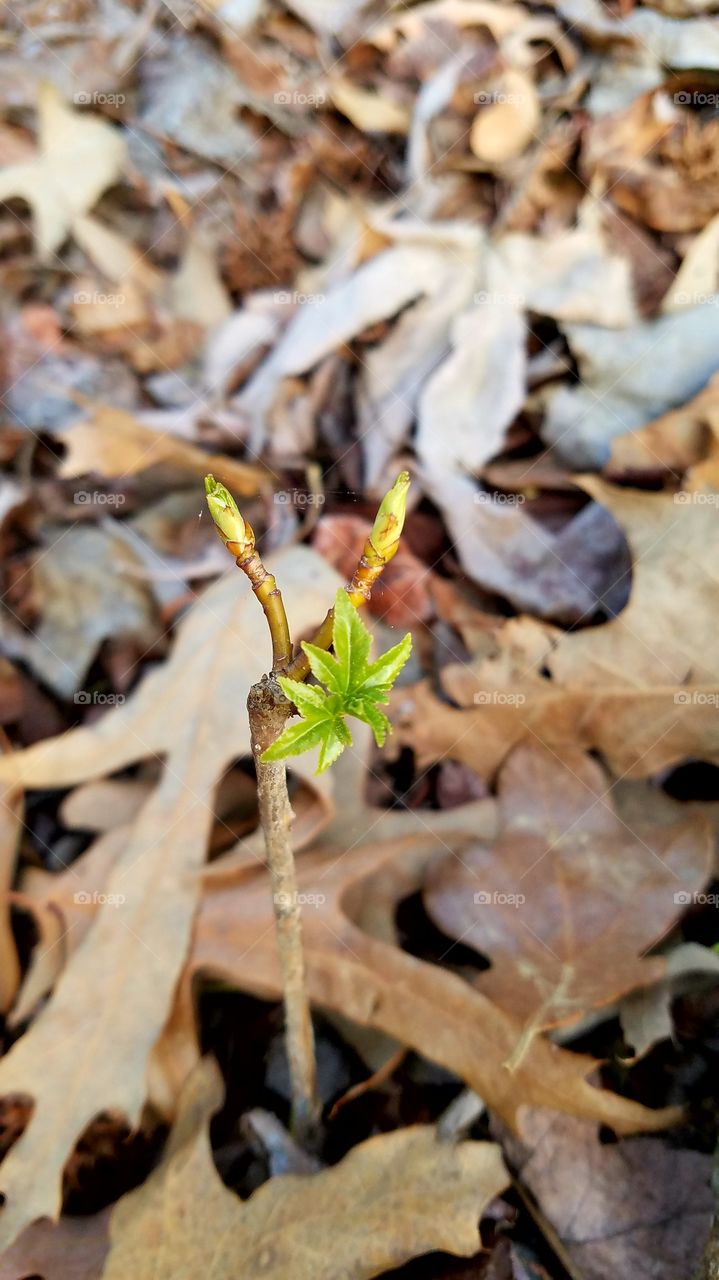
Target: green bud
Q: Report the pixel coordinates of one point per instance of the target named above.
(234, 532)
(389, 520)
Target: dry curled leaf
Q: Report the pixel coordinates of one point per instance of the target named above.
(392, 1198)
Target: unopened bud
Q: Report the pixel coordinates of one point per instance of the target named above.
(389, 520)
(236, 534)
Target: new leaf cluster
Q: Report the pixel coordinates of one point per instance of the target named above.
(353, 687)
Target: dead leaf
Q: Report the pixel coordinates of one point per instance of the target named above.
(80, 156)
(372, 112)
(74, 1248)
(646, 1016)
(638, 732)
(373, 983)
(467, 405)
(113, 443)
(553, 903)
(88, 591)
(649, 644)
(507, 121)
(565, 575)
(628, 377)
(392, 1198)
(10, 827)
(116, 991)
(640, 1208)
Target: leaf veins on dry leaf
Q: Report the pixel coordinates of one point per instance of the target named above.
(569, 898)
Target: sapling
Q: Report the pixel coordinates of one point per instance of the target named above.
(349, 685)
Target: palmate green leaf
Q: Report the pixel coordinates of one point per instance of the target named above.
(351, 642)
(383, 673)
(324, 667)
(352, 687)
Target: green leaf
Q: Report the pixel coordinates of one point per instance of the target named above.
(377, 721)
(324, 667)
(296, 738)
(306, 697)
(384, 671)
(351, 642)
(333, 745)
(352, 688)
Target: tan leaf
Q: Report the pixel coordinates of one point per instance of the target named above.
(10, 826)
(392, 1198)
(371, 112)
(111, 442)
(553, 903)
(674, 579)
(638, 731)
(89, 1048)
(506, 125)
(80, 155)
(370, 981)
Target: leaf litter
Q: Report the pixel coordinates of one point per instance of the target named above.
(305, 247)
